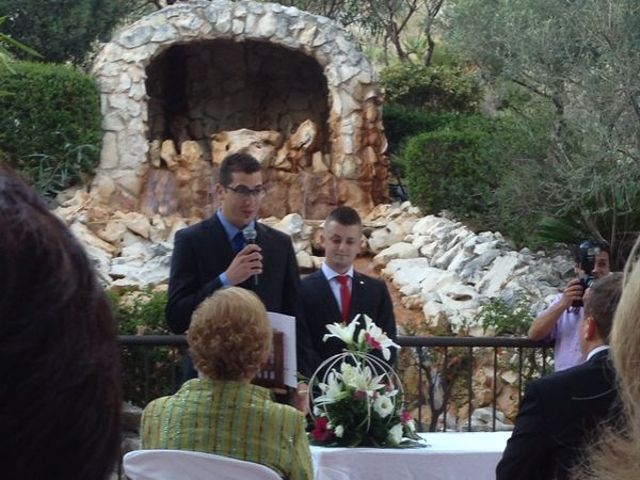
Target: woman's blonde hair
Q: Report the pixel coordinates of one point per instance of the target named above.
(230, 336)
(616, 453)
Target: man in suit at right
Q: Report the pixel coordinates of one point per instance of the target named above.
(561, 412)
(337, 292)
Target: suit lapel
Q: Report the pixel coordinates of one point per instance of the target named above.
(324, 291)
(358, 295)
(216, 249)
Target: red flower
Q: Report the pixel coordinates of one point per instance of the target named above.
(372, 342)
(321, 432)
(360, 395)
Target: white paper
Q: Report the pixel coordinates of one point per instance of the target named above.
(287, 325)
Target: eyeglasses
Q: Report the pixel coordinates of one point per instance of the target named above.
(245, 192)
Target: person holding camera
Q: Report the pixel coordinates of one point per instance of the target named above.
(560, 322)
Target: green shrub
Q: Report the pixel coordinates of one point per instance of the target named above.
(505, 319)
(402, 122)
(440, 88)
(148, 372)
(454, 168)
(50, 123)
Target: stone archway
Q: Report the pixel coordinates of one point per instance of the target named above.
(190, 71)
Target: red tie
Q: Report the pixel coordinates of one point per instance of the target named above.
(345, 296)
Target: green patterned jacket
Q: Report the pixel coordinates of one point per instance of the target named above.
(234, 419)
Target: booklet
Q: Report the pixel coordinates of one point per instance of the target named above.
(287, 325)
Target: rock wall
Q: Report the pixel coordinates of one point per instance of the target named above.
(189, 72)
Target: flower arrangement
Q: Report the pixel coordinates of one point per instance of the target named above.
(359, 398)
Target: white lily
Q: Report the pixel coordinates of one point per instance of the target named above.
(377, 337)
(342, 332)
(332, 391)
(361, 378)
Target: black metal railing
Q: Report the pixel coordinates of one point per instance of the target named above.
(152, 367)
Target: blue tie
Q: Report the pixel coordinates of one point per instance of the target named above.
(238, 242)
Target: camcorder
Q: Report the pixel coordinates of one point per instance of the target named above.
(586, 256)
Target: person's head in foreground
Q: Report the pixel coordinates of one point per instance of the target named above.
(615, 453)
(600, 301)
(60, 397)
(230, 336)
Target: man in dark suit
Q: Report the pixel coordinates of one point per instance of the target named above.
(215, 253)
(560, 413)
(337, 292)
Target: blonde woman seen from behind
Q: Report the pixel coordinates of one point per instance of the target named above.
(220, 411)
(615, 455)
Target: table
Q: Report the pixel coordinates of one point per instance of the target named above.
(448, 456)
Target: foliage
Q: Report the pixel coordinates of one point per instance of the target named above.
(438, 88)
(501, 318)
(400, 123)
(64, 32)
(360, 401)
(50, 123)
(453, 168)
(139, 312)
(580, 58)
(147, 373)
(8, 45)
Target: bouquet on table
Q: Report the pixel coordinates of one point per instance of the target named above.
(358, 398)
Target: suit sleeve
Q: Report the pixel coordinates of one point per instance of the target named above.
(387, 320)
(526, 449)
(185, 294)
(292, 305)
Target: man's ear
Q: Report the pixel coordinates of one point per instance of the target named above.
(219, 190)
(590, 329)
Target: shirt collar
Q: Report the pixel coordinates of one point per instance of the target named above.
(230, 229)
(601, 348)
(330, 274)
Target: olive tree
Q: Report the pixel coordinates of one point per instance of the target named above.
(580, 60)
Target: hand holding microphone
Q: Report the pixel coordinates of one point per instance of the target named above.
(248, 261)
(250, 235)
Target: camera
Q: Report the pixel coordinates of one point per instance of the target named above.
(586, 258)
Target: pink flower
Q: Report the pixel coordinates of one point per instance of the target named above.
(375, 344)
(321, 432)
(405, 416)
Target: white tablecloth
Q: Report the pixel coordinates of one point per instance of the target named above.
(448, 456)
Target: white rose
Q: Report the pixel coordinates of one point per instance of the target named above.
(339, 431)
(383, 406)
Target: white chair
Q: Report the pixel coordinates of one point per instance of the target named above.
(187, 465)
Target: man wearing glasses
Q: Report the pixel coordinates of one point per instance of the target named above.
(218, 252)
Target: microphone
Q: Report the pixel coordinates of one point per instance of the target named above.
(249, 233)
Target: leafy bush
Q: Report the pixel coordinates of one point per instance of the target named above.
(401, 122)
(50, 123)
(65, 30)
(454, 168)
(148, 372)
(505, 319)
(440, 88)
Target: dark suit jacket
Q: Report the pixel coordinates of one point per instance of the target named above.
(558, 417)
(202, 252)
(368, 295)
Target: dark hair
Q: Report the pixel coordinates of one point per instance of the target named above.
(237, 162)
(602, 304)
(344, 215)
(586, 244)
(60, 395)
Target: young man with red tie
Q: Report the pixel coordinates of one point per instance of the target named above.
(336, 292)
